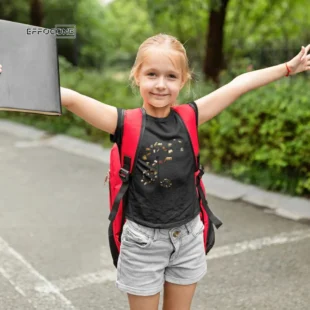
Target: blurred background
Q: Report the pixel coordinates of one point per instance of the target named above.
(262, 139)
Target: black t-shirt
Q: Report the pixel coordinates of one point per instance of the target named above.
(162, 191)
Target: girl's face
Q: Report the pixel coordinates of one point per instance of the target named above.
(160, 80)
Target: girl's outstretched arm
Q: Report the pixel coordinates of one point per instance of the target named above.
(96, 113)
(212, 104)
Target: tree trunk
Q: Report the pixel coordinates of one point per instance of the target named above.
(215, 38)
(36, 13)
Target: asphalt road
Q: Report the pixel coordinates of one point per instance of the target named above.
(54, 250)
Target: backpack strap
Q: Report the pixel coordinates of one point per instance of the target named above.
(189, 118)
(133, 124)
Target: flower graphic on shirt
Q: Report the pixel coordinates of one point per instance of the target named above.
(153, 160)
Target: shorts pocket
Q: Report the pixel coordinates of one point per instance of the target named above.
(198, 228)
(133, 237)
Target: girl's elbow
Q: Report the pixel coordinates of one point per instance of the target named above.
(238, 87)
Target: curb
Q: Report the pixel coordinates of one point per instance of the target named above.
(294, 208)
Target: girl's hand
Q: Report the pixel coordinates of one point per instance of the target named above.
(301, 62)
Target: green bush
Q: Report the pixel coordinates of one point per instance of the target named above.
(263, 138)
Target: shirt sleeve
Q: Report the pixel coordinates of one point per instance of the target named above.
(194, 106)
(118, 131)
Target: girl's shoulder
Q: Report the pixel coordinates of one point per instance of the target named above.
(193, 105)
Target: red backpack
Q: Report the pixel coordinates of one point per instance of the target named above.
(122, 163)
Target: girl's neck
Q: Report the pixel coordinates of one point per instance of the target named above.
(157, 112)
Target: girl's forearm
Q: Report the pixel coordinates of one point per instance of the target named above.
(255, 79)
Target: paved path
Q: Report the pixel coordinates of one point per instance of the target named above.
(54, 250)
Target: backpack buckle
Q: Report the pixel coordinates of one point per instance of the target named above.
(124, 174)
(201, 171)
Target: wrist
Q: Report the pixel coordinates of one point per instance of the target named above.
(66, 96)
(288, 69)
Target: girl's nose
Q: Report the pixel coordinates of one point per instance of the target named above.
(161, 83)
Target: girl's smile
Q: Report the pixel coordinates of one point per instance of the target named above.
(160, 95)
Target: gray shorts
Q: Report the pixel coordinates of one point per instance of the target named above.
(149, 257)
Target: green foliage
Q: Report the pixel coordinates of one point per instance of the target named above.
(263, 138)
(273, 24)
(18, 10)
(88, 16)
(126, 26)
(110, 34)
(185, 19)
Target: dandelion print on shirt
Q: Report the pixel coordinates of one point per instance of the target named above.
(156, 155)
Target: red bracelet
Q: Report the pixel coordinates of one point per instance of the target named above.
(288, 70)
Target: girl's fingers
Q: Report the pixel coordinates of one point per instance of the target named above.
(306, 51)
(302, 53)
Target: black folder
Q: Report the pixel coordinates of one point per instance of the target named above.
(29, 81)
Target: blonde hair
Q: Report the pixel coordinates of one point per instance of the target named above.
(167, 41)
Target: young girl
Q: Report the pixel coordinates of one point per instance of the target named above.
(162, 240)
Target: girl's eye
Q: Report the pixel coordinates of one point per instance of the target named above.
(172, 76)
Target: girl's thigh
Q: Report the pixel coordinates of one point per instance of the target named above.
(143, 302)
(178, 297)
